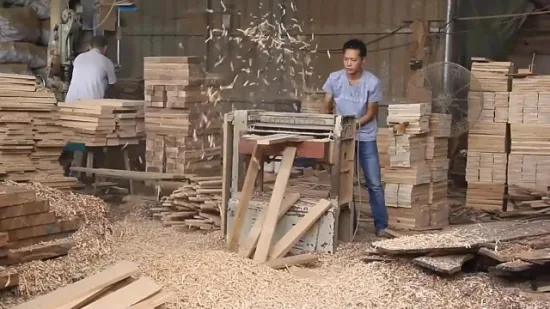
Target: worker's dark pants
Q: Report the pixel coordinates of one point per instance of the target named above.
(367, 156)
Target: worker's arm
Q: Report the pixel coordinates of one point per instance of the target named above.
(111, 75)
(328, 101)
(328, 104)
(375, 96)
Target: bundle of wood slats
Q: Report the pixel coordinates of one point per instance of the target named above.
(416, 179)
(194, 205)
(30, 133)
(491, 76)
(488, 138)
(103, 122)
(530, 107)
(183, 124)
(113, 288)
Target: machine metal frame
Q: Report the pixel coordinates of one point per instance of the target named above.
(333, 146)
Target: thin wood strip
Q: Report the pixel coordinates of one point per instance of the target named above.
(283, 246)
(301, 259)
(244, 199)
(270, 223)
(155, 301)
(254, 234)
(128, 295)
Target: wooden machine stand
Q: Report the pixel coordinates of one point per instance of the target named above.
(331, 143)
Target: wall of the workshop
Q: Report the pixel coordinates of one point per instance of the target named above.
(175, 27)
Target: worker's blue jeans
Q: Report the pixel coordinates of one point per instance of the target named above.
(368, 159)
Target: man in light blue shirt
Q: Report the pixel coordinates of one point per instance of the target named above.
(354, 91)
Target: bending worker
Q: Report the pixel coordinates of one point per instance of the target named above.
(356, 92)
(93, 72)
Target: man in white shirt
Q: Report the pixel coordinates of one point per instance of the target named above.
(92, 73)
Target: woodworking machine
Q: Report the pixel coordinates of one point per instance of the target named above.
(333, 146)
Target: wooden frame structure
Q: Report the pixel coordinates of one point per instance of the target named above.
(331, 142)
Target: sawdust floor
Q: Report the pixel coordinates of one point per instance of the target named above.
(205, 275)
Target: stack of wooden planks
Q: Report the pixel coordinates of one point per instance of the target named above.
(488, 138)
(183, 125)
(312, 102)
(529, 135)
(194, 205)
(112, 288)
(491, 76)
(28, 220)
(103, 122)
(30, 134)
(416, 180)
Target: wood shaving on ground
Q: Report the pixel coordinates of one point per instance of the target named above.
(204, 275)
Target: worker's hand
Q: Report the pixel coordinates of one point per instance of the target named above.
(358, 126)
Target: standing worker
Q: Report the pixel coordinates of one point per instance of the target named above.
(92, 73)
(356, 92)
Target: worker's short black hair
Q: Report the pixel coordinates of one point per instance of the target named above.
(357, 45)
(99, 41)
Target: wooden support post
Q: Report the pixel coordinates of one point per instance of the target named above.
(90, 160)
(244, 199)
(127, 167)
(268, 230)
(227, 157)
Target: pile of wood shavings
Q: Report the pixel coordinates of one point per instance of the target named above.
(92, 241)
(450, 239)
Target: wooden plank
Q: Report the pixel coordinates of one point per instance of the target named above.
(83, 287)
(8, 280)
(43, 252)
(450, 264)
(244, 199)
(35, 207)
(283, 246)
(128, 295)
(281, 139)
(123, 174)
(462, 239)
(155, 301)
(294, 260)
(3, 239)
(313, 149)
(10, 196)
(270, 223)
(254, 233)
(27, 221)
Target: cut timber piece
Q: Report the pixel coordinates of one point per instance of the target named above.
(464, 239)
(244, 199)
(3, 239)
(82, 288)
(294, 260)
(540, 256)
(155, 301)
(36, 207)
(10, 196)
(128, 295)
(27, 221)
(41, 252)
(284, 245)
(485, 196)
(252, 239)
(405, 150)
(272, 214)
(417, 174)
(281, 138)
(8, 280)
(440, 125)
(450, 264)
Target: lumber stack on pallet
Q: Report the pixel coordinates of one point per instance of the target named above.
(103, 122)
(312, 102)
(114, 287)
(183, 125)
(488, 138)
(194, 205)
(529, 135)
(28, 220)
(416, 180)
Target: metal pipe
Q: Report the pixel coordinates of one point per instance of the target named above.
(449, 29)
(118, 37)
